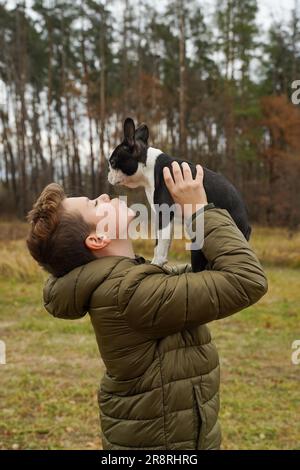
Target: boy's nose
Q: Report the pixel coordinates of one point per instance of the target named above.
(104, 197)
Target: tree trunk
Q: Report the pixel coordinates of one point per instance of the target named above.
(103, 179)
(182, 87)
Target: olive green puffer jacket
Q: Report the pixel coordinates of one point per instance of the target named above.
(161, 385)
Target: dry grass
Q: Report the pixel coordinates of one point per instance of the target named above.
(277, 246)
(16, 262)
(273, 246)
(13, 230)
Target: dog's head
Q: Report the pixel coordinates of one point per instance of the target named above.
(127, 158)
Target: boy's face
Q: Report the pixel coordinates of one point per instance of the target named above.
(115, 212)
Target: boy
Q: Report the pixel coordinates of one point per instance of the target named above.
(161, 385)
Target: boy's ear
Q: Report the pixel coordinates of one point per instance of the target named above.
(95, 243)
(129, 131)
(142, 133)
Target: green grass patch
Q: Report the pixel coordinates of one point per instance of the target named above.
(49, 385)
(48, 391)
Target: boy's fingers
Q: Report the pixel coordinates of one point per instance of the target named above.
(168, 178)
(199, 174)
(187, 174)
(177, 173)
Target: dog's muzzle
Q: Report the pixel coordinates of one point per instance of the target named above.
(113, 177)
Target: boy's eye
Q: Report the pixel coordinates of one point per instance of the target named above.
(96, 202)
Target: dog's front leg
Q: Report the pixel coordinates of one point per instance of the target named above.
(163, 242)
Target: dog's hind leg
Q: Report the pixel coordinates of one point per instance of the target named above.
(163, 243)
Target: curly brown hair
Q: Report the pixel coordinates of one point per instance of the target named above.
(56, 239)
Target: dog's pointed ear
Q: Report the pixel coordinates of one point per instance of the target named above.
(129, 131)
(142, 133)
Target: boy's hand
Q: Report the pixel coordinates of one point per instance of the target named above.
(189, 193)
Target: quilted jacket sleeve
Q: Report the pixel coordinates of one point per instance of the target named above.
(158, 302)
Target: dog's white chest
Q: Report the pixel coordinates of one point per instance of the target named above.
(148, 170)
(150, 195)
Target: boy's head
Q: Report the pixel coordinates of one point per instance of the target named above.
(63, 232)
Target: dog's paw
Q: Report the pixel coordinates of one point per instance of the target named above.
(159, 260)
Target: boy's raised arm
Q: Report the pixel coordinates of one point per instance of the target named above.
(158, 304)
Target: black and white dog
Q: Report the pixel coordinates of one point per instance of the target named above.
(133, 163)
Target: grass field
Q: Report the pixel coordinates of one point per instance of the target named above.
(49, 384)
